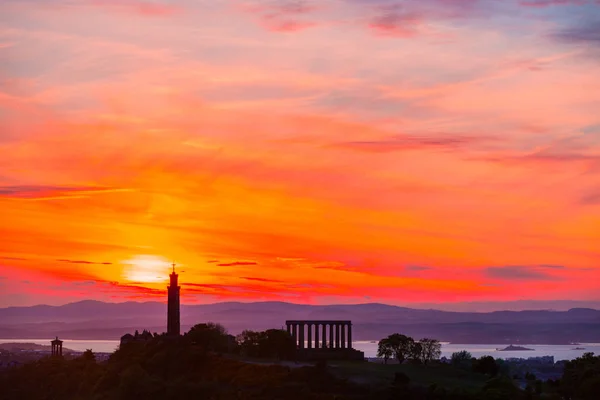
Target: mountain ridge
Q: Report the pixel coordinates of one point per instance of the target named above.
(82, 302)
(90, 319)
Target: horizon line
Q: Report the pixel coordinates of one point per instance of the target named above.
(416, 306)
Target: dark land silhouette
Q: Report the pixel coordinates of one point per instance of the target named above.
(209, 363)
(97, 320)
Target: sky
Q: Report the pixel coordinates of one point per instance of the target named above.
(330, 151)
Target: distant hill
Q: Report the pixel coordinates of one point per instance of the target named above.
(103, 321)
(14, 347)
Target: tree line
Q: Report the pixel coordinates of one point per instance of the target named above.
(271, 344)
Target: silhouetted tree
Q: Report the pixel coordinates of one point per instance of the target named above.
(209, 337)
(396, 345)
(581, 378)
(279, 344)
(486, 365)
(88, 356)
(431, 350)
(250, 342)
(384, 350)
(416, 351)
(272, 343)
(462, 358)
(500, 388)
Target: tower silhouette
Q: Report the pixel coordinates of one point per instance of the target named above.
(173, 318)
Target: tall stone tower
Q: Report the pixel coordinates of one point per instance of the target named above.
(173, 319)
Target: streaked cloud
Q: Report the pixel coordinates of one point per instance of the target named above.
(413, 142)
(248, 278)
(549, 3)
(282, 15)
(236, 263)
(417, 268)
(584, 33)
(45, 192)
(84, 262)
(520, 273)
(152, 8)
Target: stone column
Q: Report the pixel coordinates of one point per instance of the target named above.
(295, 333)
(310, 329)
(343, 337)
(317, 336)
(331, 336)
(301, 335)
(324, 344)
(337, 336)
(350, 335)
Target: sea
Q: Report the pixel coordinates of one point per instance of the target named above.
(560, 352)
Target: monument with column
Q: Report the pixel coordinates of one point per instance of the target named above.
(323, 340)
(57, 350)
(173, 307)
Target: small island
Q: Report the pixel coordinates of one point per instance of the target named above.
(515, 348)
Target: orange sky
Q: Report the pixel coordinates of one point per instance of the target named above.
(330, 151)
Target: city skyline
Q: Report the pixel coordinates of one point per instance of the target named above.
(430, 152)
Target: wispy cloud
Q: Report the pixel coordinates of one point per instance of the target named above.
(549, 3)
(262, 279)
(417, 268)
(155, 8)
(395, 24)
(592, 197)
(542, 158)
(584, 33)
(521, 273)
(83, 262)
(283, 15)
(49, 192)
(13, 258)
(552, 266)
(237, 263)
(412, 142)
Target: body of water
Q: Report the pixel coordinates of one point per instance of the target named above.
(97, 346)
(560, 352)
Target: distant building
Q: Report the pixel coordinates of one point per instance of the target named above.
(137, 337)
(173, 311)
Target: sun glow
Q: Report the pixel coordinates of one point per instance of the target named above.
(146, 269)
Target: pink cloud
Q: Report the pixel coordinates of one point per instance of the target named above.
(142, 8)
(548, 3)
(283, 15)
(394, 24)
